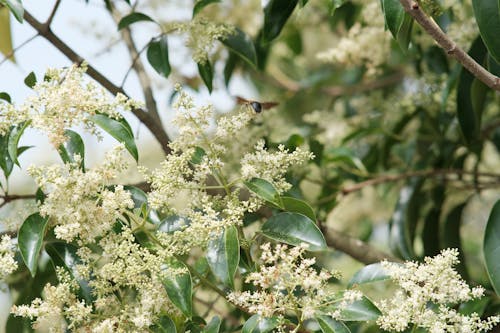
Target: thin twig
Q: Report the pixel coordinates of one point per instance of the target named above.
(132, 65)
(413, 8)
(53, 13)
(147, 119)
(12, 197)
(17, 48)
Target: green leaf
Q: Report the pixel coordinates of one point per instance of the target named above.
(14, 136)
(64, 255)
(5, 162)
(16, 7)
(491, 247)
(264, 190)
(30, 80)
(276, 13)
(200, 4)
(173, 223)
(157, 55)
(344, 155)
(6, 47)
(477, 306)
(223, 255)
(469, 108)
(294, 229)
(451, 236)
(141, 200)
(118, 129)
(5, 97)
(431, 230)
(73, 146)
(487, 14)
(213, 326)
(30, 240)
(330, 325)
(198, 155)
(229, 68)
(298, 206)
(207, 74)
(179, 289)
(241, 44)
(334, 5)
(370, 273)
(132, 18)
(398, 22)
(258, 324)
(360, 310)
(164, 325)
(404, 219)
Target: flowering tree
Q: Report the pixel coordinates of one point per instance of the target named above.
(246, 223)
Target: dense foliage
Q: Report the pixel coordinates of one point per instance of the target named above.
(375, 140)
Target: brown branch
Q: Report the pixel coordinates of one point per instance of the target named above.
(146, 118)
(413, 8)
(418, 173)
(138, 67)
(53, 13)
(12, 197)
(355, 248)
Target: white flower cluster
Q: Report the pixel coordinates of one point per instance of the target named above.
(428, 292)
(79, 203)
(287, 283)
(7, 262)
(201, 35)
(63, 99)
(366, 43)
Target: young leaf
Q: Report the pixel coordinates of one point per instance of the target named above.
(30, 240)
(360, 310)
(330, 325)
(258, 324)
(164, 325)
(30, 80)
(14, 136)
(276, 13)
(370, 273)
(132, 18)
(491, 247)
(294, 229)
(157, 55)
(118, 129)
(241, 44)
(179, 290)
(213, 326)
(223, 255)
(16, 7)
(200, 4)
(488, 20)
(264, 190)
(207, 74)
(73, 146)
(298, 206)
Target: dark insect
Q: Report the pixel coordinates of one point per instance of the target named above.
(256, 106)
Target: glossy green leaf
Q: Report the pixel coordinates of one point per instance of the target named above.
(200, 4)
(344, 155)
(264, 190)
(16, 8)
(164, 325)
(469, 90)
(30, 240)
(30, 80)
(294, 229)
(477, 305)
(198, 155)
(207, 74)
(133, 18)
(370, 273)
(404, 33)
(157, 55)
(258, 324)
(73, 146)
(403, 221)
(173, 223)
(330, 325)
(14, 136)
(241, 44)
(276, 13)
(118, 129)
(298, 206)
(397, 21)
(179, 289)
(141, 200)
(5, 97)
(487, 14)
(64, 255)
(491, 247)
(451, 236)
(360, 310)
(223, 255)
(229, 68)
(5, 162)
(213, 326)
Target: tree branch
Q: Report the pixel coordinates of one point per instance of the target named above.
(146, 118)
(413, 8)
